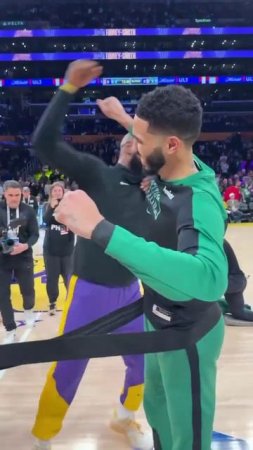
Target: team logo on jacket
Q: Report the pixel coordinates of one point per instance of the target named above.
(153, 197)
(169, 194)
(61, 228)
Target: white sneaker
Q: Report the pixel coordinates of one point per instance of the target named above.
(137, 438)
(29, 318)
(42, 445)
(10, 337)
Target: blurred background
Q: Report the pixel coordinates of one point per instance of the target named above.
(206, 46)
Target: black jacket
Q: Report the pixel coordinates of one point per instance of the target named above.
(115, 190)
(59, 241)
(28, 233)
(31, 201)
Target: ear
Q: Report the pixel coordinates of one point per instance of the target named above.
(172, 145)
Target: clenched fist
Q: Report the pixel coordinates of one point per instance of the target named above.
(112, 108)
(81, 72)
(79, 213)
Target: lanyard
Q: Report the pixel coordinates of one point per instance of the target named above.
(9, 215)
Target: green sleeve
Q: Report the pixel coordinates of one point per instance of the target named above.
(198, 269)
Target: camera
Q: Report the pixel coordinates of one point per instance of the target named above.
(6, 243)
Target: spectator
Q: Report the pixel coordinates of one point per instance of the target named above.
(20, 258)
(58, 247)
(235, 190)
(30, 199)
(233, 206)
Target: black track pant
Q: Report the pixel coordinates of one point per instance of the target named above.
(25, 278)
(56, 266)
(237, 283)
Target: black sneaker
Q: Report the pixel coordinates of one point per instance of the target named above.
(52, 309)
(232, 322)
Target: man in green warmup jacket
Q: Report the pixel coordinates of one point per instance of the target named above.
(182, 263)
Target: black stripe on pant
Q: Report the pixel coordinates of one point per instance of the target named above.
(157, 443)
(193, 358)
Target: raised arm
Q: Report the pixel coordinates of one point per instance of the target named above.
(48, 142)
(113, 109)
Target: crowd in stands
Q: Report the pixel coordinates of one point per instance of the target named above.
(134, 68)
(227, 157)
(13, 158)
(16, 122)
(127, 44)
(115, 14)
(231, 159)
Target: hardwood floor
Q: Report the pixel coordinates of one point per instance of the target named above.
(86, 424)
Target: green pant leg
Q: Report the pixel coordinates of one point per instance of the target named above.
(189, 379)
(209, 349)
(176, 376)
(155, 404)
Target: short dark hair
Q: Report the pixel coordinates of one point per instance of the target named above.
(172, 110)
(11, 184)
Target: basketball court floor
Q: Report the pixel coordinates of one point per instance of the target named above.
(86, 426)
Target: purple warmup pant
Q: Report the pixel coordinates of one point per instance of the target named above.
(85, 303)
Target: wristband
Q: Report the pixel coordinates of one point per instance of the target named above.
(70, 88)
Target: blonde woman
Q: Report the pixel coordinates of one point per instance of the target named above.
(57, 247)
